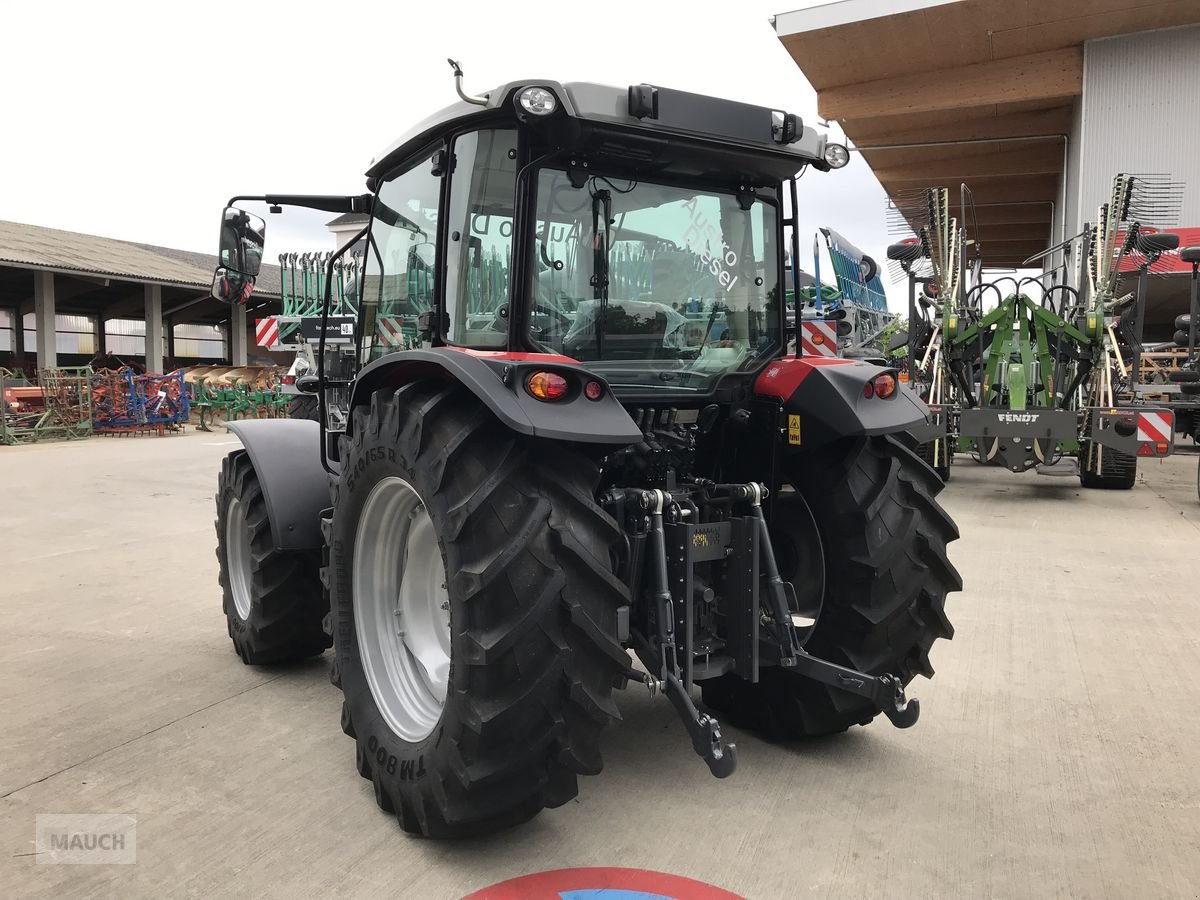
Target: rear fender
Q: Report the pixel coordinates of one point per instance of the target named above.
(498, 380)
(286, 455)
(827, 396)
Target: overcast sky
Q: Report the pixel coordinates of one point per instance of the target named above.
(137, 121)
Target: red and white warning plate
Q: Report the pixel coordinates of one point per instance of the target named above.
(818, 337)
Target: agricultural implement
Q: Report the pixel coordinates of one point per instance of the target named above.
(57, 407)
(128, 402)
(582, 436)
(229, 393)
(850, 319)
(1037, 380)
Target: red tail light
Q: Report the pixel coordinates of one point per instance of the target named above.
(289, 379)
(547, 386)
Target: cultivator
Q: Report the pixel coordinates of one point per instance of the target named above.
(1038, 381)
(302, 285)
(125, 402)
(58, 407)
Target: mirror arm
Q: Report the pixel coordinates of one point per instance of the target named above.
(327, 202)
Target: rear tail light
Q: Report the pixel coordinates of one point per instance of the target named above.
(289, 379)
(593, 390)
(881, 386)
(547, 386)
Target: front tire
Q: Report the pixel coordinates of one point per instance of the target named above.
(886, 575)
(273, 602)
(531, 653)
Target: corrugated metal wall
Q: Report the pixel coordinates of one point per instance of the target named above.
(1141, 113)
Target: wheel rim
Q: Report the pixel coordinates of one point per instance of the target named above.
(402, 609)
(237, 549)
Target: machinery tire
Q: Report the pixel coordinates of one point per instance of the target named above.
(1181, 338)
(1118, 471)
(1182, 376)
(1190, 388)
(304, 406)
(886, 573)
(532, 605)
(282, 601)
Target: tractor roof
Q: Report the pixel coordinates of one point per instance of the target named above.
(689, 119)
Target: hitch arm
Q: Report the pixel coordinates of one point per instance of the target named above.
(885, 691)
(720, 757)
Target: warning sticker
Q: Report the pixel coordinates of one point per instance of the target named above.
(793, 429)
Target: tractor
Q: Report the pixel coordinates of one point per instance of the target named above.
(581, 440)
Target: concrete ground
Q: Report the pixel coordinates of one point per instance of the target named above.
(1055, 756)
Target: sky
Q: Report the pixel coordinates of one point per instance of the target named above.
(138, 121)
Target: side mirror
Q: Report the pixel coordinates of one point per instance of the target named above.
(308, 384)
(242, 239)
(231, 287)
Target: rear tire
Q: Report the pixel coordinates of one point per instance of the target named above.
(886, 574)
(304, 406)
(273, 601)
(532, 603)
(1117, 472)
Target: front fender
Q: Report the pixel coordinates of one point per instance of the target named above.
(286, 455)
(827, 395)
(498, 380)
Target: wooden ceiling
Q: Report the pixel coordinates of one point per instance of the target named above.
(909, 88)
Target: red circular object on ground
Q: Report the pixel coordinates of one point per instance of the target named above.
(602, 884)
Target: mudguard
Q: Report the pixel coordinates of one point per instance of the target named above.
(498, 380)
(827, 396)
(286, 454)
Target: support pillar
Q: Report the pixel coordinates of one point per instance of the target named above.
(18, 339)
(171, 361)
(237, 334)
(154, 328)
(46, 339)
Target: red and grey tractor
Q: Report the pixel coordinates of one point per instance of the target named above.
(575, 431)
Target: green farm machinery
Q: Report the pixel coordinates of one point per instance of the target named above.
(1028, 375)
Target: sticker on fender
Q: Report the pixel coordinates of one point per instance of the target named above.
(793, 429)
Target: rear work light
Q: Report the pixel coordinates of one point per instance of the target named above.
(547, 386)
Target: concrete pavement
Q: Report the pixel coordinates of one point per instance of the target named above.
(1055, 755)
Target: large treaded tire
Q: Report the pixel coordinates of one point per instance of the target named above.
(887, 575)
(287, 603)
(533, 614)
(304, 406)
(1118, 471)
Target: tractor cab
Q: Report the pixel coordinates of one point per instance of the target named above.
(637, 230)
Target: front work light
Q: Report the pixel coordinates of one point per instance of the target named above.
(537, 101)
(836, 156)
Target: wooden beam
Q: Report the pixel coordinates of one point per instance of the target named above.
(991, 233)
(982, 123)
(1034, 159)
(1003, 189)
(1018, 214)
(1038, 76)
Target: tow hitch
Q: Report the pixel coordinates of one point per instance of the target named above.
(743, 544)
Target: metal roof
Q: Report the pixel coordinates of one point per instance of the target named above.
(38, 247)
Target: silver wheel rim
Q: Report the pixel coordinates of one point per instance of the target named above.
(402, 609)
(237, 550)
